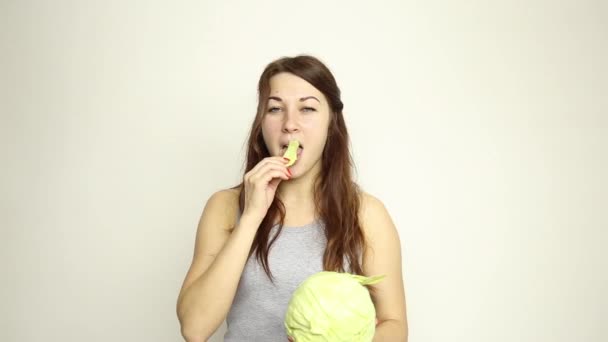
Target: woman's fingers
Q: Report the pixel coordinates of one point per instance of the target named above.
(268, 171)
(278, 161)
(277, 174)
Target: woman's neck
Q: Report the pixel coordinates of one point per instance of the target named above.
(298, 197)
(296, 193)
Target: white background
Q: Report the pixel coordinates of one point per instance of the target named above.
(481, 125)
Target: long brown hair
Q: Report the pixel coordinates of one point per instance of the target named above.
(337, 196)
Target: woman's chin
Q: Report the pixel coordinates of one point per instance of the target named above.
(295, 170)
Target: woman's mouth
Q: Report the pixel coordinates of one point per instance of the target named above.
(284, 149)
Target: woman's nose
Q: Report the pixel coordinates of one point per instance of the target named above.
(291, 122)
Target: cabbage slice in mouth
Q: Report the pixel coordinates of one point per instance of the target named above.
(292, 152)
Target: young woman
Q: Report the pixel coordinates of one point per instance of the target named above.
(258, 241)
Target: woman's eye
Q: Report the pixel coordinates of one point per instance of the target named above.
(306, 109)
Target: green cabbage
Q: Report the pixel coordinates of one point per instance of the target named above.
(292, 152)
(331, 306)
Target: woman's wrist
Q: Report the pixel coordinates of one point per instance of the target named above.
(250, 220)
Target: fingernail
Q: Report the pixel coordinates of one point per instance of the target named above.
(288, 170)
(286, 159)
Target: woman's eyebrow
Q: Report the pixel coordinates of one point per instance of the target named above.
(301, 99)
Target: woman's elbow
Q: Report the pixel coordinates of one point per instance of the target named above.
(191, 335)
(193, 330)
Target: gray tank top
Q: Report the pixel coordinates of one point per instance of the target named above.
(259, 306)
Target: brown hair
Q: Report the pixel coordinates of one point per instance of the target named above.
(337, 196)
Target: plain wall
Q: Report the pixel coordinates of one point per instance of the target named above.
(481, 125)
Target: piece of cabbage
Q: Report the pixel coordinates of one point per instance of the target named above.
(331, 306)
(292, 152)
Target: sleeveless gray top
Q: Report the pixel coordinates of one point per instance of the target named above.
(258, 310)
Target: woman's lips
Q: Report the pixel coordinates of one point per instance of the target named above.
(299, 153)
(284, 149)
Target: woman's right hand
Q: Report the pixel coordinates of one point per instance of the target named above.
(261, 184)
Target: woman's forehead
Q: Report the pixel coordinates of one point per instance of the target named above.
(291, 86)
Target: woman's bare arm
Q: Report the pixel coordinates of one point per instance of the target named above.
(383, 256)
(219, 259)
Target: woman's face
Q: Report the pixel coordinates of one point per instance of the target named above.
(296, 110)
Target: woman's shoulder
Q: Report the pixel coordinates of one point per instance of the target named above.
(227, 197)
(372, 211)
(225, 204)
(370, 204)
